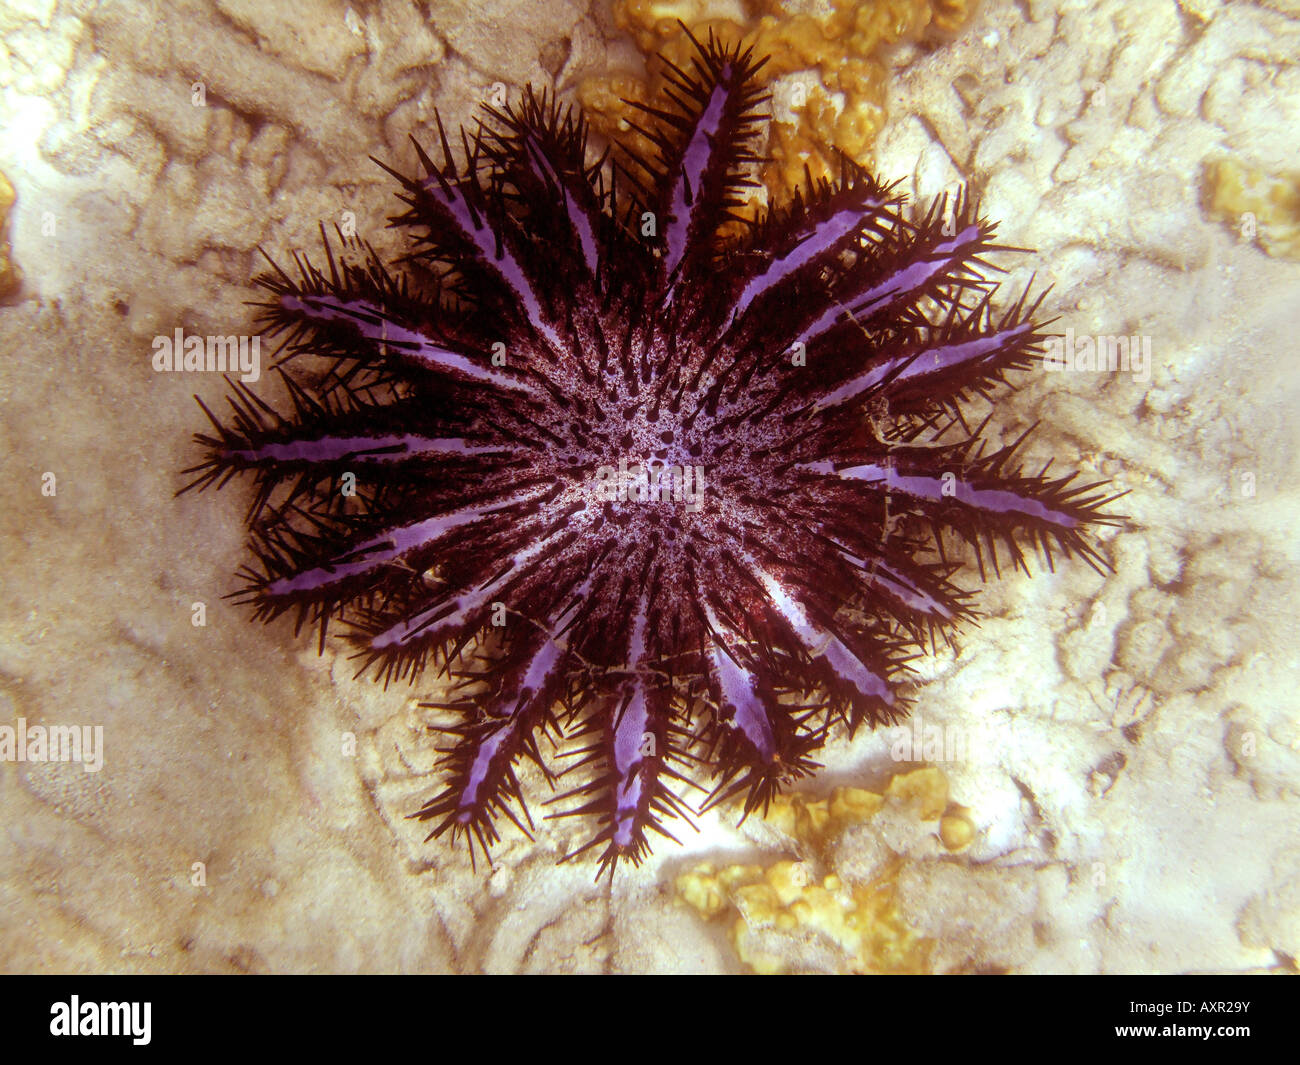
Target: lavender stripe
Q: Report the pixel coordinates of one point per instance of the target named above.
(372, 324)
(825, 236)
(737, 684)
(541, 667)
(902, 589)
(907, 280)
(364, 448)
(631, 729)
(579, 217)
(898, 585)
(822, 644)
(997, 500)
(392, 545)
(933, 361)
(478, 771)
(427, 623)
(695, 160)
(484, 239)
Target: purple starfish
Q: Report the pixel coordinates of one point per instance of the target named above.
(639, 473)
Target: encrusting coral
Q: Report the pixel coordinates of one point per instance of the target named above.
(1263, 207)
(838, 103)
(788, 919)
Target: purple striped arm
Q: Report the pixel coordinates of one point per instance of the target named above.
(939, 362)
(827, 237)
(931, 489)
(451, 616)
(907, 283)
(470, 226)
(820, 644)
(391, 448)
(699, 155)
(898, 587)
(581, 218)
(372, 324)
(738, 688)
(392, 545)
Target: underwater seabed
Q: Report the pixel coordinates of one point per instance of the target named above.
(1102, 776)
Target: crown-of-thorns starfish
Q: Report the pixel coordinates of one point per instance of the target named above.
(703, 467)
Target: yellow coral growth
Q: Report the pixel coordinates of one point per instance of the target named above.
(8, 271)
(784, 903)
(838, 103)
(803, 818)
(926, 789)
(1262, 207)
(863, 922)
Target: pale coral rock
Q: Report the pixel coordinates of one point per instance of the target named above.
(323, 43)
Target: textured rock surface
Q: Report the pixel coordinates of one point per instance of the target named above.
(1129, 746)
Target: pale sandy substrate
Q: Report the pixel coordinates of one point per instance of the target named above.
(1167, 847)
